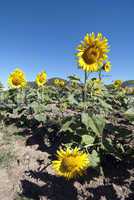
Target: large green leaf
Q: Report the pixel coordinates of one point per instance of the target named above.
(96, 122)
(100, 122)
(88, 122)
(72, 100)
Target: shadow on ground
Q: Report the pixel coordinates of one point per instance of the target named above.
(55, 188)
(91, 187)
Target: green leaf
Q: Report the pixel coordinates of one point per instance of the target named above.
(72, 100)
(107, 145)
(87, 140)
(94, 159)
(100, 123)
(105, 105)
(129, 114)
(88, 122)
(40, 117)
(66, 126)
(96, 123)
(120, 148)
(35, 106)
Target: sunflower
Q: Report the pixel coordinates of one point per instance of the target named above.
(59, 83)
(117, 83)
(41, 78)
(107, 66)
(17, 79)
(92, 52)
(71, 163)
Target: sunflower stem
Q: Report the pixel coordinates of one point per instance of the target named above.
(100, 75)
(85, 88)
(42, 91)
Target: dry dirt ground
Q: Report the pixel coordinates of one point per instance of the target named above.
(25, 173)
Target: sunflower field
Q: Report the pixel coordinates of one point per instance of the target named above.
(75, 135)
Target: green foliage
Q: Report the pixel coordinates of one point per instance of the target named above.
(1, 86)
(96, 123)
(74, 120)
(94, 159)
(129, 114)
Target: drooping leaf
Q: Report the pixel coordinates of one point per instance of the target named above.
(96, 122)
(72, 100)
(100, 123)
(94, 158)
(107, 145)
(105, 105)
(66, 126)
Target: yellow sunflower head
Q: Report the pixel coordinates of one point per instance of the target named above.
(59, 83)
(71, 163)
(41, 78)
(117, 83)
(17, 79)
(92, 52)
(107, 66)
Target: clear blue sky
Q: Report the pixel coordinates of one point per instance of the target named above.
(43, 34)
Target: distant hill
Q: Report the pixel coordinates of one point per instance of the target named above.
(128, 83)
(32, 84)
(50, 81)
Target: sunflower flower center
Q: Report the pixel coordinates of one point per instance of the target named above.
(16, 81)
(91, 55)
(41, 79)
(69, 163)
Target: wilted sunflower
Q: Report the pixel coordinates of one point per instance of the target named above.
(117, 83)
(107, 66)
(17, 79)
(71, 163)
(92, 52)
(59, 83)
(41, 78)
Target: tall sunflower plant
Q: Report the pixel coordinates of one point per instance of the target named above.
(86, 128)
(92, 57)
